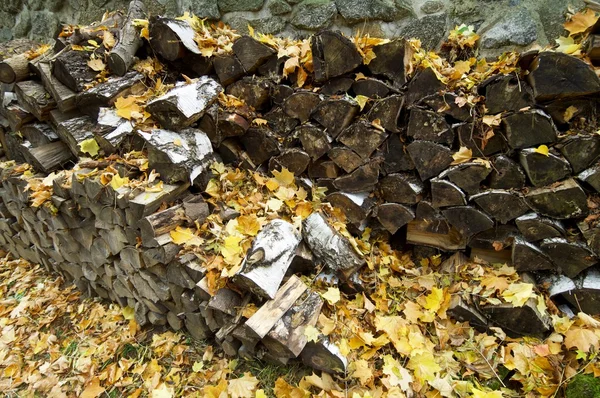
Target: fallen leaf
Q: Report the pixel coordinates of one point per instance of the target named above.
(93, 389)
(185, 236)
(361, 100)
(518, 293)
(463, 155)
(569, 113)
(243, 387)
(581, 21)
(311, 333)
(362, 371)
(96, 64)
(89, 146)
(582, 339)
(542, 149)
(248, 225)
(567, 45)
(332, 295)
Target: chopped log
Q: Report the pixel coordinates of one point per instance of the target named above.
(543, 169)
(562, 200)
(34, 98)
(267, 316)
(581, 292)
(337, 86)
(445, 193)
(533, 227)
(272, 68)
(429, 126)
(462, 311)
(528, 257)
(287, 338)
(581, 151)
(336, 114)
(39, 134)
(502, 206)
(578, 108)
(431, 219)
(576, 77)
(371, 88)
(147, 203)
(429, 158)
(363, 179)
(251, 53)
(172, 38)
(14, 69)
(401, 188)
(268, 259)
(325, 356)
(71, 69)
(387, 111)
(393, 216)
(63, 95)
(423, 84)
(105, 94)
(226, 301)
(122, 55)
(280, 122)
(333, 55)
(185, 104)
(280, 92)
(506, 94)
(294, 159)
(228, 68)
(467, 220)
(194, 65)
(449, 104)
(301, 104)
(355, 206)
(506, 174)
(315, 141)
(362, 138)
(117, 129)
(74, 131)
(345, 158)
(330, 247)
(182, 156)
(483, 142)
(195, 324)
(231, 152)
(468, 176)
(519, 321)
(231, 125)
(254, 91)
(322, 168)
(48, 157)
(161, 222)
(395, 155)
(591, 177)
(497, 238)
(261, 144)
(529, 128)
(570, 257)
(392, 61)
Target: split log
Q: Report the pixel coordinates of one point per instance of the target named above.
(39, 134)
(48, 157)
(280, 92)
(330, 247)
(401, 188)
(506, 174)
(228, 68)
(337, 86)
(519, 321)
(333, 55)
(570, 257)
(429, 158)
(184, 104)
(301, 104)
(387, 111)
(468, 176)
(362, 138)
(576, 77)
(355, 206)
(267, 316)
(529, 128)
(74, 131)
(63, 95)
(161, 222)
(371, 88)
(34, 98)
(251, 53)
(71, 69)
(147, 203)
(182, 156)
(14, 69)
(260, 144)
(363, 179)
(445, 193)
(122, 55)
(528, 257)
(482, 141)
(393, 216)
(467, 220)
(231, 125)
(463, 311)
(315, 140)
(581, 292)
(392, 61)
(449, 104)
(581, 151)
(345, 158)
(280, 122)
(172, 38)
(543, 169)
(565, 200)
(321, 168)
(336, 114)
(325, 356)
(114, 130)
(591, 177)
(395, 155)
(287, 338)
(423, 84)
(533, 227)
(268, 259)
(254, 91)
(294, 159)
(506, 94)
(429, 126)
(105, 94)
(502, 206)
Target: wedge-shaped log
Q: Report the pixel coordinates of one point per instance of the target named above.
(393, 216)
(261, 144)
(251, 53)
(345, 158)
(506, 94)
(570, 257)
(501, 205)
(63, 95)
(429, 126)
(445, 193)
(301, 104)
(122, 55)
(591, 177)
(392, 61)
(161, 222)
(543, 169)
(71, 69)
(34, 98)
(565, 200)
(356, 206)
(330, 247)
(333, 55)
(423, 84)
(185, 104)
(39, 134)
(314, 140)
(534, 227)
(254, 91)
(468, 176)
(363, 179)
(401, 188)
(336, 114)
(287, 338)
(362, 138)
(172, 38)
(467, 220)
(528, 257)
(529, 128)
(506, 174)
(293, 159)
(581, 151)
(105, 94)
(115, 130)
(519, 321)
(387, 111)
(268, 259)
(395, 155)
(325, 356)
(180, 156)
(371, 88)
(446, 104)
(477, 139)
(582, 292)
(429, 158)
(463, 311)
(147, 203)
(48, 157)
(228, 68)
(76, 130)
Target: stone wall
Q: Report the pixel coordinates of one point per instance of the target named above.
(503, 24)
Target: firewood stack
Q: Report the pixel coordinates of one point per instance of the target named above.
(526, 193)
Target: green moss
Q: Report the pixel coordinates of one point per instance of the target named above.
(583, 386)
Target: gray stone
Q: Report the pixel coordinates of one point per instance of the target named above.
(432, 7)
(11, 6)
(279, 7)
(431, 30)
(240, 5)
(201, 8)
(267, 25)
(54, 5)
(23, 24)
(313, 14)
(515, 28)
(360, 10)
(45, 25)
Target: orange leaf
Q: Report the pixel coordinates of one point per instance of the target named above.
(581, 21)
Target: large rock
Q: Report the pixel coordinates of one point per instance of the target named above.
(313, 14)
(240, 5)
(201, 8)
(431, 30)
(515, 28)
(360, 10)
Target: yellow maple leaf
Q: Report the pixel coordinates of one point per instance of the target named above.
(242, 387)
(231, 248)
(362, 371)
(486, 394)
(569, 113)
(460, 68)
(260, 394)
(463, 155)
(581, 21)
(93, 389)
(582, 339)
(128, 108)
(89, 146)
(311, 333)
(433, 301)
(284, 177)
(96, 64)
(108, 40)
(117, 181)
(248, 225)
(162, 391)
(327, 325)
(332, 295)
(361, 100)
(518, 293)
(128, 313)
(185, 236)
(543, 150)
(567, 45)
(424, 366)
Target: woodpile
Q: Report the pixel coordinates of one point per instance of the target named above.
(513, 176)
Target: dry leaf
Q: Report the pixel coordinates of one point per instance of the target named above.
(96, 64)
(463, 155)
(543, 150)
(581, 21)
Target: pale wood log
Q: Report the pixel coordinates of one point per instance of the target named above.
(34, 98)
(172, 38)
(121, 56)
(14, 69)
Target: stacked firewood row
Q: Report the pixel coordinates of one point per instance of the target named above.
(515, 180)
